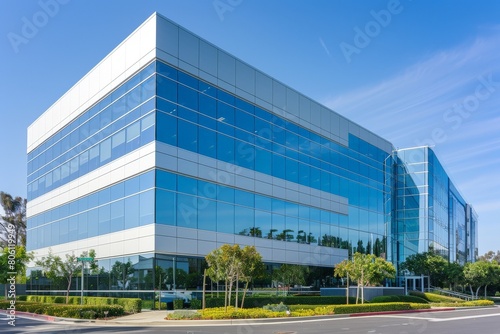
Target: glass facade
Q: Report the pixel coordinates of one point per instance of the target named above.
(430, 214)
(293, 185)
(117, 125)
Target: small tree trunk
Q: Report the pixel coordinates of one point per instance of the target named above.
(477, 292)
(236, 297)
(230, 292)
(226, 286)
(204, 290)
(485, 290)
(362, 288)
(244, 293)
(67, 290)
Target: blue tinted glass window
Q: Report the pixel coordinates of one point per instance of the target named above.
(207, 142)
(187, 80)
(187, 97)
(187, 185)
(187, 136)
(147, 204)
(225, 148)
(245, 154)
(263, 202)
(165, 207)
(263, 161)
(187, 211)
(208, 106)
(263, 223)
(147, 180)
(279, 166)
(166, 180)
(225, 218)
(117, 216)
(225, 194)
(225, 113)
(278, 226)
(167, 89)
(244, 224)
(166, 70)
(207, 214)
(167, 128)
(104, 217)
(244, 198)
(132, 215)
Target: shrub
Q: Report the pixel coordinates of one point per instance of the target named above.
(276, 307)
(344, 309)
(178, 304)
(481, 302)
(68, 311)
(232, 313)
(435, 298)
(183, 315)
(130, 305)
(304, 307)
(260, 301)
(473, 303)
(394, 299)
(497, 294)
(195, 304)
(420, 306)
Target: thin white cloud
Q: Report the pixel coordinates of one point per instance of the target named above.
(410, 107)
(418, 97)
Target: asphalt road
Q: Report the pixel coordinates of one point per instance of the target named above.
(480, 321)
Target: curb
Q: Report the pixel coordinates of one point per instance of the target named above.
(402, 312)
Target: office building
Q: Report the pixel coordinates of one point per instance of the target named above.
(170, 147)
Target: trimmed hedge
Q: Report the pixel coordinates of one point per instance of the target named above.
(435, 298)
(195, 304)
(130, 305)
(397, 298)
(252, 302)
(67, 311)
(472, 303)
(345, 309)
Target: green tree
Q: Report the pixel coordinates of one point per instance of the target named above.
(454, 274)
(481, 273)
(428, 264)
(365, 269)
(13, 221)
(123, 273)
(224, 264)
(14, 260)
(54, 267)
(290, 274)
(490, 256)
(253, 267)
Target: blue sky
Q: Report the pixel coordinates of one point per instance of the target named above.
(414, 72)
